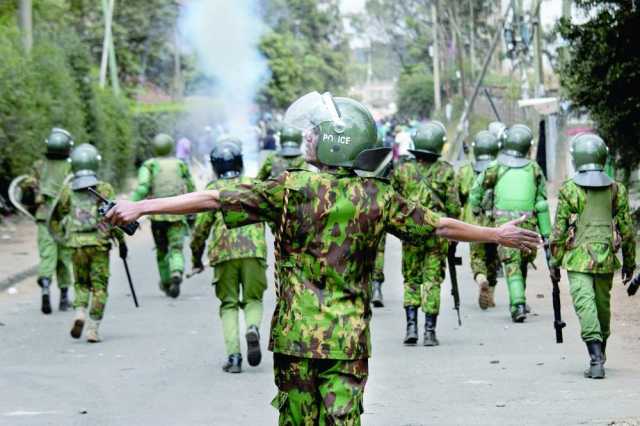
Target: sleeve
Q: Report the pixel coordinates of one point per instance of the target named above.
(398, 178)
(265, 169)
(186, 175)
(559, 235)
(255, 202)
(476, 194)
(61, 209)
(624, 224)
(453, 200)
(463, 184)
(541, 192)
(144, 183)
(204, 222)
(107, 191)
(409, 221)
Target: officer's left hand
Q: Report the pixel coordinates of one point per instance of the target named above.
(124, 250)
(124, 212)
(627, 275)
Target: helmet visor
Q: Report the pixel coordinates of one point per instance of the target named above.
(312, 110)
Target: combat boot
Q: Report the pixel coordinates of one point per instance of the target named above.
(519, 314)
(376, 298)
(92, 331)
(233, 364)
(45, 284)
(596, 365)
(430, 338)
(253, 346)
(412, 325)
(64, 300)
(484, 297)
(174, 288)
(78, 323)
(492, 296)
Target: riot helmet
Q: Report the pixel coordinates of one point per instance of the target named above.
(163, 145)
(515, 146)
(485, 148)
(428, 139)
(85, 162)
(589, 155)
(59, 144)
(226, 159)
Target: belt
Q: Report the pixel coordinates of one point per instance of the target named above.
(512, 214)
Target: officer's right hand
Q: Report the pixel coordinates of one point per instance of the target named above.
(511, 235)
(124, 212)
(554, 273)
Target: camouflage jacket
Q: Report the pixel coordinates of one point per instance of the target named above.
(62, 215)
(333, 223)
(46, 180)
(597, 258)
(488, 179)
(464, 180)
(274, 165)
(146, 174)
(227, 244)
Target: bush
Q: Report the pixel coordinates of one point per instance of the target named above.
(415, 94)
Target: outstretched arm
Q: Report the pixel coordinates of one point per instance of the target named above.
(509, 234)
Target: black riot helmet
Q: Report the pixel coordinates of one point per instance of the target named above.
(226, 159)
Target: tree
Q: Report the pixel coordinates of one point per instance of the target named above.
(415, 93)
(602, 71)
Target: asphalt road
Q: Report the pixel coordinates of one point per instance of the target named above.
(160, 364)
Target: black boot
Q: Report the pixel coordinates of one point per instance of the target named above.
(430, 338)
(253, 346)
(596, 365)
(45, 284)
(519, 314)
(174, 287)
(376, 298)
(233, 364)
(412, 325)
(64, 300)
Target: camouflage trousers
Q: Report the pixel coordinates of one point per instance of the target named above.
(239, 284)
(378, 269)
(169, 239)
(319, 391)
(515, 263)
(423, 270)
(54, 258)
(485, 261)
(591, 294)
(91, 267)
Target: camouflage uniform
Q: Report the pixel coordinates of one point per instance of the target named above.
(431, 184)
(239, 259)
(378, 269)
(46, 179)
(320, 330)
(90, 239)
(590, 264)
(162, 177)
(515, 262)
(484, 257)
(274, 165)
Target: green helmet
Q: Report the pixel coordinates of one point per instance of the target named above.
(59, 143)
(485, 148)
(515, 146)
(344, 130)
(290, 140)
(498, 129)
(589, 154)
(163, 145)
(428, 139)
(85, 161)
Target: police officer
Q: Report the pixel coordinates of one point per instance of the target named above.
(90, 239)
(428, 181)
(592, 223)
(519, 190)
(328, 226)
(484, 257)
(47, 179)
(166, 176)
(238, 257)
(288, 157)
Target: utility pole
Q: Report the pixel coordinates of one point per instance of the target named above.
(566, 13)
(472, 38)
(458, 40)
(108, 51)
(540, 91)
(436, 57)
(25, 20)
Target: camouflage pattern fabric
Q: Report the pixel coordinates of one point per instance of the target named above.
(433, 185)
(91, 268)
(227, 244)
(596, 258)
(378, 269)
(334, 222)
(464, 180)
(169, 240)
(274, 165)
(46, 178)
(55, 258)
(146, 176)
(319, 391)
(591, 295)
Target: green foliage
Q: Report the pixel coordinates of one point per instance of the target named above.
(602, 71)
(415, 93)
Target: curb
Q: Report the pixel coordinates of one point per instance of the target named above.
(17, 277)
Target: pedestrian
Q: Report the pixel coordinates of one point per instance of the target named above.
(519, 189)
(45, 181)
(484, 257)
(90, 237)
(183, 150)
(166, 176)
(328, 225)
(289, 156)
(429, 181)
(592, 223)
(238, 258)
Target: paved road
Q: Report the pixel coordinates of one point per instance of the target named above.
(160, 365)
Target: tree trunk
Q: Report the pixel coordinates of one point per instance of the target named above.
(25, 21)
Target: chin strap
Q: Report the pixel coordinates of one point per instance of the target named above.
(278, 237)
